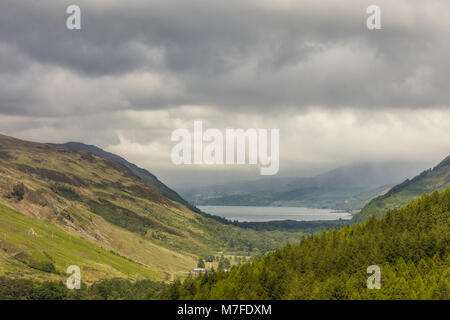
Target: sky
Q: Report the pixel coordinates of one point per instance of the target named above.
(138, 70)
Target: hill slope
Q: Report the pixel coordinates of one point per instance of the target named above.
(148, 178)
(37, 249)
(428, 181)
(410, 246)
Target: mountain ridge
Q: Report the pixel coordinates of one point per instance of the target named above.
(146, 176)
(436, 178)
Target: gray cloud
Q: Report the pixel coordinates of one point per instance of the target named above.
(253, 54)
(139, 69)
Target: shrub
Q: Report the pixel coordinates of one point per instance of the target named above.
(18, 191)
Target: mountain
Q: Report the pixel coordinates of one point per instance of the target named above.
(409, 248)
(147, 177)
(354, 184)
(358, 201)
(428, 181)
(62, 207)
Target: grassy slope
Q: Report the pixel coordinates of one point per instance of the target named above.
(47, 251)
(428, 181)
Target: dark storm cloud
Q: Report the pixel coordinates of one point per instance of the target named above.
(140, 69)
(246, 55)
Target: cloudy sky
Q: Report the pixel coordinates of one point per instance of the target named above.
(137, 70)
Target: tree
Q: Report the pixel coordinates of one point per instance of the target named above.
(201, 263)
(224, 263)
(227, 264)
(18, 191)
(410, 245)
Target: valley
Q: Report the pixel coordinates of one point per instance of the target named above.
(75, 204)
(101, 202)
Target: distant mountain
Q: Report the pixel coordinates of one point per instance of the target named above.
(349, 187)
(428, 181)
(147, 177)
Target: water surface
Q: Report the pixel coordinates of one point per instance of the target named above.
(261, 214)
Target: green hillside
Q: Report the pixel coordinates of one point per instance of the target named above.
(428, 181)
(37, 249)
(410, 246)
(358, 201)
